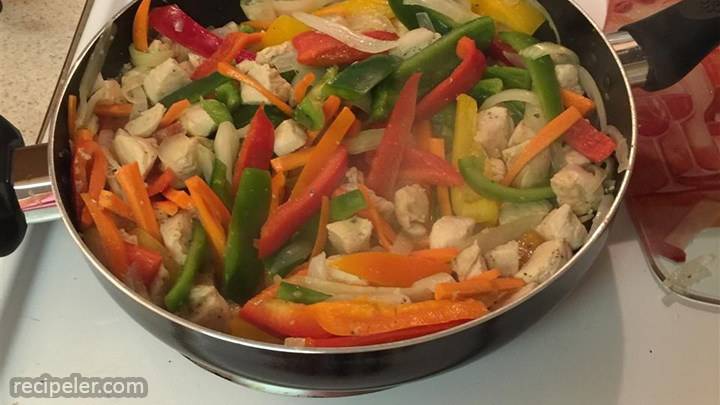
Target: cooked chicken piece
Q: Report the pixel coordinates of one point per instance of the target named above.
(469, 263)
(266, 75)
(412, 209)
(450, 231)
(563, 224)
(494, 127)
(414, 41)
(351, 235)
(505, 258)
(547, 259)
(579, 188)
(197, 121)
(208, 308)
(289, 137)
(165, 79)
(535, 173)
(179, 153)
(129, 149)
(176, 232)
(147, 122)
(511, 212)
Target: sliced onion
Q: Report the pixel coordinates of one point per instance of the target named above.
(622, 151)
(590, 86)
(490, 238)
(510, 95)
(261, 10)
(365, 141)
(515, 59)
(288, 7)
(559, 54)
(457, 10)
(149, 59)
(602, 212)
(548, 17)
(424, 21)
(92, 71)
(345, 35)
(534, 117)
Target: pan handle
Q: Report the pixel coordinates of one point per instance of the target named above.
(675, 40)
(12, 219)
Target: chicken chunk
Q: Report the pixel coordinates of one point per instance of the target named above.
(197, 121)
(179, 153)
(208, 308)
(451, 232)
(469, 263)
(505, 258)
(568, 77)
(563, 224)
(562, 156)
(511, 212)
(267, 76)
(412, 209)
(160, 286)
(351, 235)
(289, 137)
(205, 159)
(266, 56)
(495, 169)
(494, 127)
(176, 232)
(547, 259)
(535, 173)
(165, 79)
(578, 188)
(522, 133)
(412, 42)
(147, 122)
(129, 149)
(226, 146)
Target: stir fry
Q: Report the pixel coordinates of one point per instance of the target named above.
(339, 174)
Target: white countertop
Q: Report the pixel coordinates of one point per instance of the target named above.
(618, 339)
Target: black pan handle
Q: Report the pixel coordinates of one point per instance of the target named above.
(12, 219)
(676, 39)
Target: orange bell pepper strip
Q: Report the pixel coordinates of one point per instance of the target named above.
(437, 147)
(572, 99)
(277, 190)
(161, 183)
(445, 255)
(358, 318)
(322, 233)
(137, 197)
(141, 25)
(291, 161)
(210, 223)
(179, 197)
(122, 110)
(228, 70)
(389, 269)
(230, 48)
(112, 240)
(174, 112)
(198, 187)
(322, 152)
(167, 207)
(111, 202)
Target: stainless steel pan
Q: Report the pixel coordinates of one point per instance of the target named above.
(653, 53)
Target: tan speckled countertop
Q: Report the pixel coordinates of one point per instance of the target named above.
(35, 36)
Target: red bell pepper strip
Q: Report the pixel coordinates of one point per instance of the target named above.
(590, 142)
(461, 80)
(145, 262)
(499, 50)
(290, 216)
(281, 318)
(422, 167)
(396, 137)
(387, 337)
(230, 48)
(322, 50)
(257, 149)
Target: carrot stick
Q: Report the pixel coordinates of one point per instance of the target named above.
(179, 197)
(424, 135)
(229, 49)
(508, 283)
(437, 147)
(291, 161)
(112, 240)
(161, 183)
(572, 99)
(227, 70)
(330, 108)
(544, 138)
(445, 255)
(111, 202)
(463, 289)
(210, 223)
(72, 105)
(197, 186)
(324, 149)
(277, 186)
(174, 112)
(141, 25)
(385, 233)
(122, 110)
(322, 233)
(137, 197)
(493, 274)
(97, 178)
(83, 135)
(302, 87)
(168, 207)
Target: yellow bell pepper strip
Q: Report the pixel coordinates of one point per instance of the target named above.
(437, 147)
(358, 318)
(517, 15)
(465, 202)
(283, 29)
(322, 152)
(357, 7)
(137, 197)
(389, 269)
(322, 234)
(141, 23)
(112, 240)
(544, 138)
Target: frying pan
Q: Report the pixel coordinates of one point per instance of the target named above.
(653, 53)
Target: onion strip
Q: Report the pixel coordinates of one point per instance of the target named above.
(345, 35)
(590, 86)
(548, 17)
(365, 141)
(457, 10)
(510, 95)
(558, 53)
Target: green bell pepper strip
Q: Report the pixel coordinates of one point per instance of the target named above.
(407, 14)
(246, 28)
(243, 269)
(309, 113)
(512, 77)
(436, 63)
(196, 90)
(178, 294)
(244, 114)
(299, 294)
(444, 125)
(294, 252)
(219, 182)
(216, 110)
(471, 169)
(486, 88)
(356, 80)
(346, 205)
(229, 95)
(517, 110)
(542, 73)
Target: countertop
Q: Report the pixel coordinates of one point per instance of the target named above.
(35, 37)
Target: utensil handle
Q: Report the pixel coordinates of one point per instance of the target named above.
(676, 39)
(12, 219)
